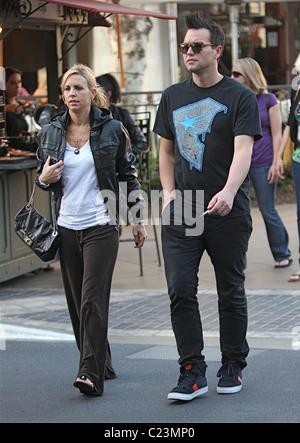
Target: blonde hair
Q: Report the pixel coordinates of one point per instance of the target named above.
(251, 70)
(100, 99)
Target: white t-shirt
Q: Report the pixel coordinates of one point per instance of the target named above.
(82, 205)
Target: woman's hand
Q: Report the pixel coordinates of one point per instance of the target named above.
(139, 235)
(51, 173)
(276, 171)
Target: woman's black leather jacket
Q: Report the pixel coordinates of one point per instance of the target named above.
(114, 162)
(137, 138)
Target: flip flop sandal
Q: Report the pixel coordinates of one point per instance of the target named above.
(297, 275)
(85, 388)
(284, 266)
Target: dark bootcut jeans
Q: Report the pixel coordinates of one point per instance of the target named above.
(226, 241)
(87, 262)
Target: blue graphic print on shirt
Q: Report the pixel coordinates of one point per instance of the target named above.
(190, 123)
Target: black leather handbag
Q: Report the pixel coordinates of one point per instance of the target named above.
(36, 232)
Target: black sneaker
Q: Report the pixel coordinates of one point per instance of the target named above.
(230, 375)
(192, 383)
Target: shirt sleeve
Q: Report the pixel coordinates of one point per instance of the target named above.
(163, 126)
(247, 120)
(273, 100)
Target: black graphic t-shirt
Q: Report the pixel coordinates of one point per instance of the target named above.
(203, 123)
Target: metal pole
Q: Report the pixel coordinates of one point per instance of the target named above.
(234, 20)
(59, 42)
(172, 10)
(118, 26)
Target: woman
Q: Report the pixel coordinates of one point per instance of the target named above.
(263, 171)
(15, 121)
(293, 128)
(42, 88)
(113, 93)
(82, 155)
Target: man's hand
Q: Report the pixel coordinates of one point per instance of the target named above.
(221, 204)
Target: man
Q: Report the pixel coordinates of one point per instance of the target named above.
(207, 126)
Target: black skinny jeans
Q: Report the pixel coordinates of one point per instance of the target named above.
(87, 262)
(226, 241)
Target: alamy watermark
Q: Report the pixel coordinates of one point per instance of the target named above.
(184, 209)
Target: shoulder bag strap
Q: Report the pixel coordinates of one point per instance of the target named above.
(53, 207)
(32, 195)
(53, 211)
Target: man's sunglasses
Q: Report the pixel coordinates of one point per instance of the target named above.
(236, 74)
(196, 47)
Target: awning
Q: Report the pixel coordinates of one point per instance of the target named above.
(93, 21)
(97, 12)
(110, 8)
(100, 8)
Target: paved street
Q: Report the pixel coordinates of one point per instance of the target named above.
(36, 386)
(39, 357)
(273, 314)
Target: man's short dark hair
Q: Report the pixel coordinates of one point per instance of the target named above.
(196, 21)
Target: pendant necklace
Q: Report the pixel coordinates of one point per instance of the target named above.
(78, 139)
